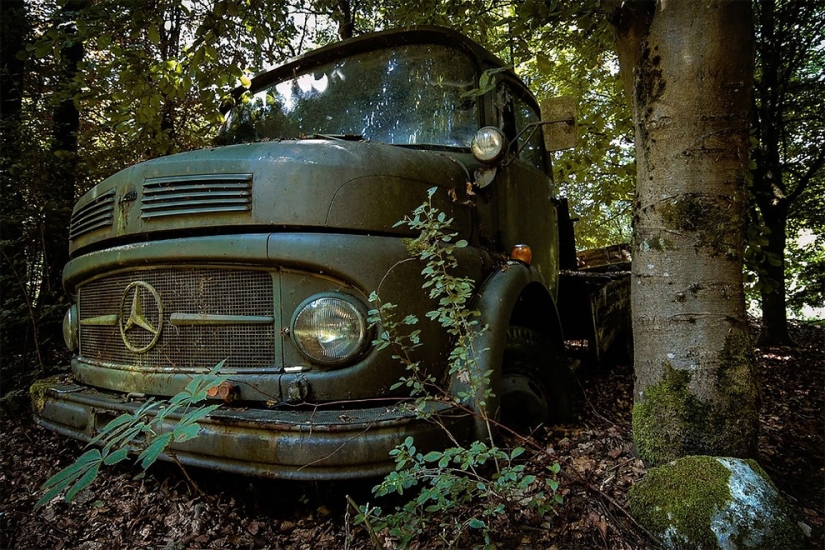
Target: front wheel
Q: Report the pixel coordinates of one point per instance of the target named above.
(537, 385)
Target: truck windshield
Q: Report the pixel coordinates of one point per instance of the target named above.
(407, 95)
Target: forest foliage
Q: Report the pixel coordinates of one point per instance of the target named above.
(90, 87)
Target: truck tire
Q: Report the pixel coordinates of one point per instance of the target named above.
(537, 385)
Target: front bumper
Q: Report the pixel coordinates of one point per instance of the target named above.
(320, 444)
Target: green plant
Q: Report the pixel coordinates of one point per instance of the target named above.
(466, 487)
(138, 430)
(434, 246)
(450, 486)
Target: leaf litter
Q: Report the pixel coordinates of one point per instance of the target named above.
(598, 466)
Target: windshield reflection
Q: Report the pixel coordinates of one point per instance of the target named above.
(408, 95)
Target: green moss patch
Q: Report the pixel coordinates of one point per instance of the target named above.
(37, 391)
(671, 421)
(708, 217)
(702, 502)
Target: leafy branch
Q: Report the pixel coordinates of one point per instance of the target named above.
(140, 429)
(448, 482)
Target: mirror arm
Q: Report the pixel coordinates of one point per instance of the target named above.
(532, 127)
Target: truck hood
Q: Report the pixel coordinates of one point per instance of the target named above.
(326, 184)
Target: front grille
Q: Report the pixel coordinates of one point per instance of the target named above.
(199, 194)
(93, 215)
(237, 306)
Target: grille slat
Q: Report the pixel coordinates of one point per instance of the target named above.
(96, 214)
(187, 293)
(201, 194)
(190, 204)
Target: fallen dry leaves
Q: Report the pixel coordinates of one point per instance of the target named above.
(163, 511)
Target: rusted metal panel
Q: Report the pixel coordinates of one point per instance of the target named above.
(306, 444)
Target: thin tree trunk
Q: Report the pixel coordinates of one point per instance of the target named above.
(774, 308)
(769, 183)
(60, 194)
(346, 21)
(688, 70)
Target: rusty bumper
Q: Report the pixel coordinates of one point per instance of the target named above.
(320, 444)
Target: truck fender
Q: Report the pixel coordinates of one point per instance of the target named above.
(513, 295)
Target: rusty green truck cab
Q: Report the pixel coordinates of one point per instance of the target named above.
(262, 251)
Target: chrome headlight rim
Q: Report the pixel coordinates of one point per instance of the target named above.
(489, 145)
(361, 344)
(71, 328)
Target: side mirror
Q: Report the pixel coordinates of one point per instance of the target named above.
(558, 116)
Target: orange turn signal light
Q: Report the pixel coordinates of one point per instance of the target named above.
(522, 253)
(226, 391)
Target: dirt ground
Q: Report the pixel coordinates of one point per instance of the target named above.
(165, 511)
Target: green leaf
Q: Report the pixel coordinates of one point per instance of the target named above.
(121, 421)
(78, 465)
(198, 414)
(476, 523)
(83, 482)
(49, 496)
(152, 452)
(544, 64)
(154, 36)
(42, 48)
(186, 433)
(432, 456)
(116, 456)
(58, 482)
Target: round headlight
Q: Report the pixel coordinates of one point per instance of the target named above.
(330, 330)
(70, 328)
(488, 145)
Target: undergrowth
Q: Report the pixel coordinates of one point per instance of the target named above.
(462, 490)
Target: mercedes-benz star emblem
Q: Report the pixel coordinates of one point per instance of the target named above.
(134, 323)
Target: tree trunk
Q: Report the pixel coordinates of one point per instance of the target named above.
(17, 322)
(772, 278)
(688, 70)
(60, 194)
(346, 21)
(769, 184)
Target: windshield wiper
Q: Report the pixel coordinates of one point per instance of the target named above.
(340, 137)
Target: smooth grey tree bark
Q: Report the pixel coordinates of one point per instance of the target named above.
(688, 71)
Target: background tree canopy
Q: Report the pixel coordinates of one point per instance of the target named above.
(90, 87)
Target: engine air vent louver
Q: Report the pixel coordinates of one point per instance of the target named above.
(196, 194)
(93, 215)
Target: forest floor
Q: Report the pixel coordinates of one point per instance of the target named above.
(165, 511)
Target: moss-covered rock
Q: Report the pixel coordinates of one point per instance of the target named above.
(702, 502)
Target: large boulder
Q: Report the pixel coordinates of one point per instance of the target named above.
(704, 502)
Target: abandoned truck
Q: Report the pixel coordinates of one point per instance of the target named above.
(263, 250)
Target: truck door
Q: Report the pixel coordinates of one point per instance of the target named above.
(525, 190)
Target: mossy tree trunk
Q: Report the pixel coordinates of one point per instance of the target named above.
(688, 70)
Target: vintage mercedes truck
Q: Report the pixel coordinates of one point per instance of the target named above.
(263, 250)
